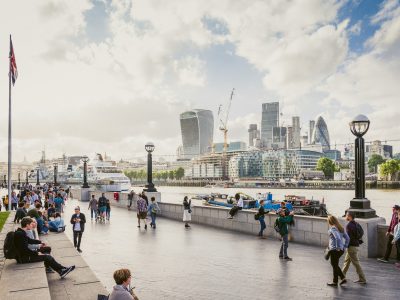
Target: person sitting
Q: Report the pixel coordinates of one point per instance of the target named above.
(57, 225)
(25, 255)
(51, 211)
(43, 248)
(33, 212)
(122, 290)
(236, 207)
(41, 224)
(21, 212)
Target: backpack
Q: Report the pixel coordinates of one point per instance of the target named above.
(360, 231)
(9, 247)
(276, 226)
(257, 216)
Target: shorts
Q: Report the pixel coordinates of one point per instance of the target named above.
(103, 209)
(142, 215)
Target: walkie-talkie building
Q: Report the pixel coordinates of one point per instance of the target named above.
(197, 128)
(320, 134)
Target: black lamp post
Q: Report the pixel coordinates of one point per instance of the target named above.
(19, 180)
(85, 160)
(149, 186)
(55, 173)
(27, 178)
(37, 176)
(5, 180)
(360, 206)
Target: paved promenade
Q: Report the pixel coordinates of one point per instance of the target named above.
(207, 263)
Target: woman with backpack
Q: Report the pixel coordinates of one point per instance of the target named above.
(336, 249)
(260, 216)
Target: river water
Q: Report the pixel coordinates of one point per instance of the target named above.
(337, 201)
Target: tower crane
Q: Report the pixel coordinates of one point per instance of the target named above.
(223, 114)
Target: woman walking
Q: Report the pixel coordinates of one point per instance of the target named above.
(261, 216)
(154, 209)
(141, 211)
(187, 211)
(336, 249)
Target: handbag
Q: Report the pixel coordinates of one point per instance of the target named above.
(189, 211)
(327, 254)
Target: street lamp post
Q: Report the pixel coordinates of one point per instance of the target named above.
(360, 206)
(5, 180)
(27, 178)
(150, 186)
(19, 180)
(55, 173)
(85, 160)
(37, 176)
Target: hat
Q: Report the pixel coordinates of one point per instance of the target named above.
(396, 207)
(77, 208)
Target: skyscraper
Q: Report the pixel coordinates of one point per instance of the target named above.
(311, 130)
(296, 132)
(321, 134)
(254, 133)
(289, 137)
(197, 128)
(269, 120)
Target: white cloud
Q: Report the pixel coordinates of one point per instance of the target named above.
(190, 71)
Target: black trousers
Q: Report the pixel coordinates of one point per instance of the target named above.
(49, 261)
(337, 271)
(234, 210)
(389, 246)
(13, 206)
(77, 239)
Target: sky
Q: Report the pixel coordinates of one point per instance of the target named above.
(109, 76)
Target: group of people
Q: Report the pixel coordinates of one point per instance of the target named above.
(100, 209)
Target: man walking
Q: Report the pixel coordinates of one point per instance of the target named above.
(78, 221)
(394, 221)
(93, 208)
(355, 233)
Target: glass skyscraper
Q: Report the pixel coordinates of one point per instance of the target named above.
(269, 120)
(320, 134)
(197, 128)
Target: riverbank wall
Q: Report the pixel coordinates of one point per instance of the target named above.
(307, 230)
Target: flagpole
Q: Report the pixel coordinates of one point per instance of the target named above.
(9, 130)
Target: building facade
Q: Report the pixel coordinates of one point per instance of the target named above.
(269, 120)
(197, 129)
(321, 134)
(254, 134)
(296, 133)
(232, 146)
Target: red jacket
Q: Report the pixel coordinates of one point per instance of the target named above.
(393, 222)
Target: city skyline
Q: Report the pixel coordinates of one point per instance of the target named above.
(110, 76)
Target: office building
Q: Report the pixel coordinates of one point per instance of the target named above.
(310, 131)
(197, 128)
(254, 134)
(279, 137)
(296, 133)
(376, 147)
(269, 120)
(232, 146)
(321, 134)
(289, 137)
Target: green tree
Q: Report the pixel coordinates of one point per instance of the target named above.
(171, 174)
(390, 168)
(327, 166)
(374, 161)
(180, 172)
(164, 175)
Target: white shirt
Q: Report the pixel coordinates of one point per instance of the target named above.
(240, 202)
(77, 225)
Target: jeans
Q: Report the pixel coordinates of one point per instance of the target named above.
(77, 239)
(14, 206)
(337, 272)
(49, 261)
(352, 257)
(108, 213)
(389, 246)
(153, 218)
(262, 225)
(93, 212)
(284, 246)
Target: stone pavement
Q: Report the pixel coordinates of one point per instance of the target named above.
(172, 262)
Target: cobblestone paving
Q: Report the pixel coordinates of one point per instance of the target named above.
(172, 262)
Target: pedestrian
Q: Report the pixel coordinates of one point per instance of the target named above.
(108, 209)
(130, 198)
(122, 290)
(187, 211)
(261, 218)
(281, 226)
(141, 211)
(390, 234)
(102, 204)
(59, 203)
(93, 208)
(355, 233)
(237, 206)
(78, 221)
(14, 201)
(154, 209)
(396, 238)
(336, 249)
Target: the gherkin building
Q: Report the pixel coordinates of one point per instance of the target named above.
(320, 134)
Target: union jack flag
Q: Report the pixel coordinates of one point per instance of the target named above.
(13, 64)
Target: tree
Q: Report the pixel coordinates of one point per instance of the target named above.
(390, 168)
(327, 166)
(171, 174)
(374, 161)
(180, 172)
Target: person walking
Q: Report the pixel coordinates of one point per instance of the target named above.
(390, 234)
(141, 211)
(93, 208)
(187, 211)
(108, 209)
(261, 218)
(14, 201)
(236, 207)
(336, 249)
(281, 225)
(154, 209)
(102, 205)
(78, 221)
(130, 199)
(355, 233)
(396, 238)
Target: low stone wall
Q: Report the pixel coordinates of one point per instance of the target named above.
(382, 241)
(307, 229)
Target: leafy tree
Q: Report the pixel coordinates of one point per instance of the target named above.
(164, 175)
(171, 174)
(374, 161)
(327, 166)
(390, 168)
(180, 172)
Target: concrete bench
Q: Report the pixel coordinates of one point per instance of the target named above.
(24, 281)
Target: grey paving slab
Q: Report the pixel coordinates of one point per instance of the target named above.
(39, 294)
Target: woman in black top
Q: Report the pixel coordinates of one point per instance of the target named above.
(187, 210)
(261, 216)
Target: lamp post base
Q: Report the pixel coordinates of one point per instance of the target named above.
(361, 208)
(150, 188)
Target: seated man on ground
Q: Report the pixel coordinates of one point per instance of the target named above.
(43, 248)
(57, 225)
(21, 212)
(25, 255)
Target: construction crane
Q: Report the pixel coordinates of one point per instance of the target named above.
(223, 115)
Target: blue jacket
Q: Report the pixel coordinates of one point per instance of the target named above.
(336, 239)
